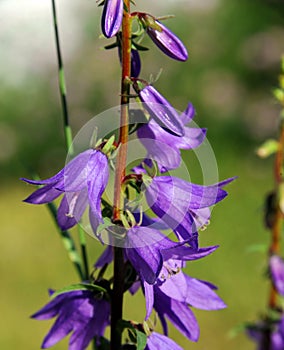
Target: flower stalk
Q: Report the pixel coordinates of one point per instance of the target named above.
(118, 278)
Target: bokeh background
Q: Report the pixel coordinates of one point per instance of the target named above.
(234, 61)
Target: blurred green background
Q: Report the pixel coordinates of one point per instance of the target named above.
(234, 48)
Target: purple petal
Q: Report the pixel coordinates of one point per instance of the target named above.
(167, 42)
(160, 110)
(178, 313)
(149, 298)
(158, 341)
(175, 287)
(97, 180)
(43, 195)
(112, 17)
(201, 296)
(105, 258)
(71, 209)
(186, 253)
(76, 172)
(142, 247)
(188, 114)
(277, 271)
(51, 180)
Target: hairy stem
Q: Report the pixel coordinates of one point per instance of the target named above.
(118, 277)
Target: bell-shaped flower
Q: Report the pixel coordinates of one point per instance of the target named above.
(80, 312)
(276, 265)
(163, 147)
(112, 17)
(183, 206)
(143, 248)
(82, 181)
(172, 294)
(160, 110)
(156, 341)
(165, 40)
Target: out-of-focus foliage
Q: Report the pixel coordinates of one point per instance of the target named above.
(234, 47)
(234, 61)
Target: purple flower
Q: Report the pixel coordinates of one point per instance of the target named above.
(260, 332)
(172, 294)
(81, 181)
(147, 248)
(112, 17)
(165, 40)
(143, 248)
(276, 265)
(160, 110)
(183, 206)
(163, 147)
(156, 341)
(80, 312)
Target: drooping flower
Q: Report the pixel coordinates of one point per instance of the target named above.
(135, 61)
(160, 110)
(165, 40)
(80, 312)
(163, 147)
(147, 248)
(276, 265)
(183, 206)
(172, 294)
(82, 181)
(112, 17)
(156, 341)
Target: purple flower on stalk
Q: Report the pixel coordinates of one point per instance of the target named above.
(276, 265)
(165, 148)
(81, 181)
(112, 17)
(156, 341)
(183, 206)
(174, 291)
(165, 40)
(160, 110)
(80, 312)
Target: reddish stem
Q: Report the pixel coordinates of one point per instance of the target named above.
(118, 270)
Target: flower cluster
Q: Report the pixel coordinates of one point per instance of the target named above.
(154, 261)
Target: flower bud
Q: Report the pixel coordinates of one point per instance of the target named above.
(166, 41)
(160, 110)
(112, 17)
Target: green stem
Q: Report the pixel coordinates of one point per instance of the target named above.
(83, 245)
(68, 243)
(62, 85)
(66, 125)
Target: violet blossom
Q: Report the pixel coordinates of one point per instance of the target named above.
(163, 147)
(82, 181)
(183, 206)
(156, 341)
(174, 291)
(111, 17)
(165, 40)
(80, 312)
(160, 110)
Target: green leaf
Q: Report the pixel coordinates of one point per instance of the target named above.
(79, 286)
(141, 340)
(268, 148)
